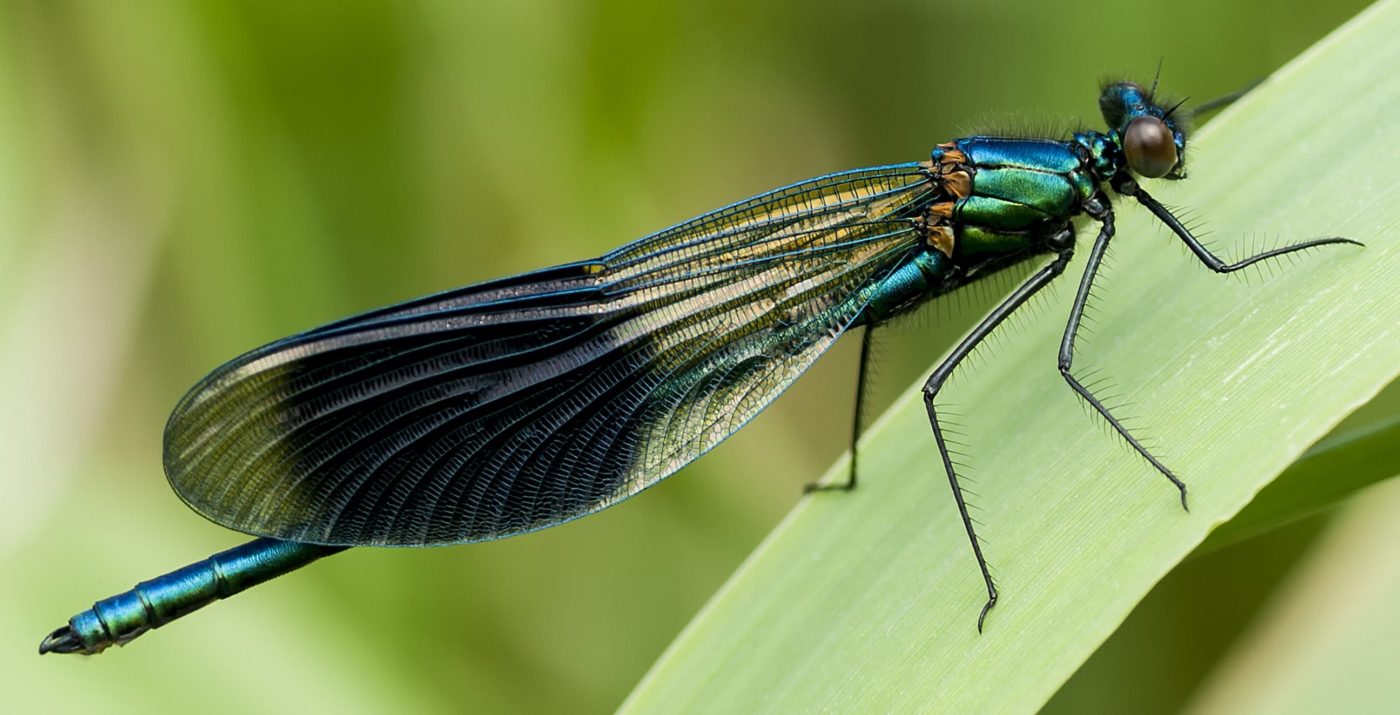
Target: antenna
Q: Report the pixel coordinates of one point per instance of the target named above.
(1222, 102)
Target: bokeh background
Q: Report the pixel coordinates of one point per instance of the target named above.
(180, 182)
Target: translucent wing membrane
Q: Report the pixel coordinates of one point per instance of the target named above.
(516, 404)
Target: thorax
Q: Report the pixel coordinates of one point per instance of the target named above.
(1007, 195)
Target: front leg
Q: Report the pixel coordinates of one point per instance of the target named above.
(1131, 188)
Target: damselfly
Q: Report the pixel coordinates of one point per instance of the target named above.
(521, 403)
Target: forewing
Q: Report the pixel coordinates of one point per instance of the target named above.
(516, 404)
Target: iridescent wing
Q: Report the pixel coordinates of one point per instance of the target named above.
(516, 404)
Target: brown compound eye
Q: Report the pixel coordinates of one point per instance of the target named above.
(1150, 147)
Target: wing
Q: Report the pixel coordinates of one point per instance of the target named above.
(516, 404)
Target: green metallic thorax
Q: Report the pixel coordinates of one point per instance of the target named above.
(1005, 201)
(1022, 190)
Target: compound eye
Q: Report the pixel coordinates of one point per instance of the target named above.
(1150, 147)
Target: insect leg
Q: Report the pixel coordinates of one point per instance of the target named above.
(940, 375)
(1076, 313)
(861, 378)
(1208, 258)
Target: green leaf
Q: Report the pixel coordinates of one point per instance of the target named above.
(867, 602)
(1329, 639)
(1360, 452)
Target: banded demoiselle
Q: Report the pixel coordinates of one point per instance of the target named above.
(517, 404)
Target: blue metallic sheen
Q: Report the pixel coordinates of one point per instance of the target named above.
(907, 285)
(154, 603)
(1038, 154)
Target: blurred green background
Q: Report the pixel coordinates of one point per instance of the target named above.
(182, 181)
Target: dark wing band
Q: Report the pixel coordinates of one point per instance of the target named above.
(517, 404)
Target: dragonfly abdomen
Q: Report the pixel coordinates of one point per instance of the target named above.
(915, 280)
